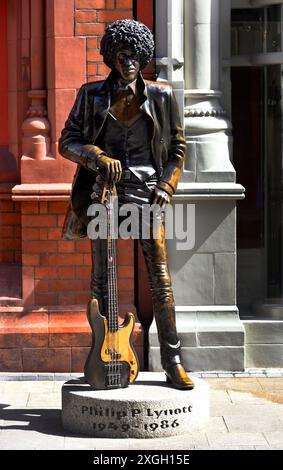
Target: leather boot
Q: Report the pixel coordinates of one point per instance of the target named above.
(170, 349)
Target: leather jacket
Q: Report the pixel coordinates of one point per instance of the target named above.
(83, 126)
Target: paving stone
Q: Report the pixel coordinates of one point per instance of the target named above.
(243, 397)
(184, 442)
(262, 448)
(113, 446)
(219, 409)
(241, 375)
(29, 377)
(216, 424)
(273, 447)
(223, 374)
(250, 410)
(187, 441)
(257, 374)
(14, 398)
(44, 376)
(239, 397)
(219, 396)
(199, 438)
(207, 375)
(58, 385)
(79, 443)
(62, 377)
(14, 439)
(235, 439)
(274, 437)
(260, 423)
(271, 383)
(8, 423)
(232, 447)
(38, 386)
(239, 384)
(274, 374)
(45, 400)
(10, 376)
(40, 426)
(164, 444)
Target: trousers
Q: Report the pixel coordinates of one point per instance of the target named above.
(155, 253)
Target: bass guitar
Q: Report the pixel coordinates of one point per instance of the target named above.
(112, 362)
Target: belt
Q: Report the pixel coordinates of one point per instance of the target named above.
(128, 175)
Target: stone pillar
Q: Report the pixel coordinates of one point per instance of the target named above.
(169, 46)
(36, 128)
(208, 130)
(204, 271)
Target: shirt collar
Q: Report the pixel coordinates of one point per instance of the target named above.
(139, 84)
(121, 85)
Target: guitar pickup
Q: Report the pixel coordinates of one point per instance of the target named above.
(113, 354)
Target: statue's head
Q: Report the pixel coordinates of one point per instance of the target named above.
(128, 47)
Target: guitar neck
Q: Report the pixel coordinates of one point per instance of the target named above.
(111, 268)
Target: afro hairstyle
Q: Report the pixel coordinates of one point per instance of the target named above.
(127, 34)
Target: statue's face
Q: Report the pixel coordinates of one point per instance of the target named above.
(127, 64)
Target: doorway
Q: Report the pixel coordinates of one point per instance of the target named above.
(257, 123)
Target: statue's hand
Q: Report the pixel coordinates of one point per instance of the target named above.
(111, 168)
(160, 197)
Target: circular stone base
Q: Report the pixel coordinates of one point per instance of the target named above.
(147, 409)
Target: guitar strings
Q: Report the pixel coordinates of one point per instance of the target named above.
(111, 366)
(115, 297)
(115, 308)
(115, 378)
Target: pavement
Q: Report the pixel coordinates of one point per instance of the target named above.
(246, 413)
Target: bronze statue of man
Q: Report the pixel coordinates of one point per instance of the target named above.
(129, 129)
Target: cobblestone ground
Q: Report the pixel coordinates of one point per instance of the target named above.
(246, 413)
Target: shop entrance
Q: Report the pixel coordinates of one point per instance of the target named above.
(257, 123)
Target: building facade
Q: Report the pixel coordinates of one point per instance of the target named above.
(224, 59)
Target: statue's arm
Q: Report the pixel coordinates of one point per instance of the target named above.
(176, 152)
(72, 143)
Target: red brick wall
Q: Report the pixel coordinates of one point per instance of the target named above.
(60, 269)
(57, 270)
(10, 232)
(91, 18)
(3, 74)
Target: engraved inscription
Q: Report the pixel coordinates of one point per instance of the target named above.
(155, 419)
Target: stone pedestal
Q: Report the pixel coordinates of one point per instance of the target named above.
(147, 409)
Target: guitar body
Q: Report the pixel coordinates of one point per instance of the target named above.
(112, 362)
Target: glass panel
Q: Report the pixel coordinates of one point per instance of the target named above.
(257, 122)
(273, 28)
(248, 159)
(247, 31)
(274, 188)
(256, 30)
